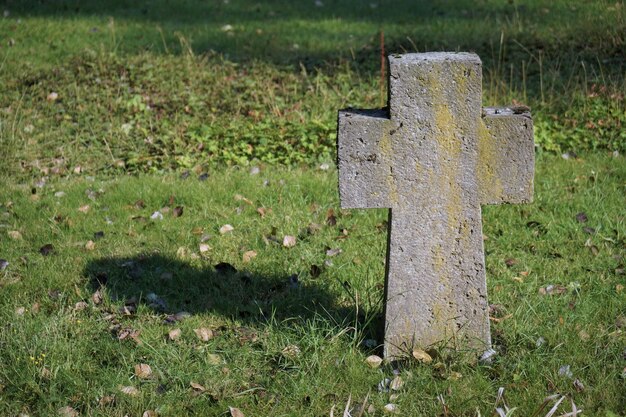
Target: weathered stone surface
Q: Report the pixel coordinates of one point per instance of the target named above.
(434, 158)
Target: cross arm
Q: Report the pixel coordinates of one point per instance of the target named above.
(364, 158)
(506, 156)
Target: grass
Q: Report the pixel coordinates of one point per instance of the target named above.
(149, 87)
(57, 354)
(159, 106)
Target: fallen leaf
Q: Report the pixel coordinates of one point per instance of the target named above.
(581, 217)
(263, 211)
(333, 252)
(383, 386)
(390, 408)
(227, 228)
(84, 209)
(619, 288)
(20, 311)
(197, 387)
(248, 256)
(139, 204)
(289, 241)
(3, 264)
(149, 413)
(178, 211)
(204, 248)
(422, 356)
(455, 376)
(143, 371)
(67, 411)
(291, 351)
(553, 290)
(204, 334)
(565, 371)
(174, 334)
(106, 400)
(235, 412)
(157, 215)
(313, 228)
(331, 220)
(214, 359)
(80, 306)
(239, 197)
(96, 297)
(52, 97)
(129, 390)
(14, 234)
(90, 245)
(578, 386)
(47, 249)
(129, 333)
(396, 383)
(510, 262)
(374, 361)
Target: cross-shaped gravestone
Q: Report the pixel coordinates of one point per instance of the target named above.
(433, 158)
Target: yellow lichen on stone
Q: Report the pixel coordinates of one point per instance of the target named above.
(385, 149)
(490, 184)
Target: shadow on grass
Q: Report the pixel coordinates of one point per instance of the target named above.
(170, 286)
(332, 31)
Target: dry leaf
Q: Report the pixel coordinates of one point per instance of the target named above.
(67, 411)
(197, 387)
(239, 197)
(454, 376)
(422, 356)
(374, 361)
(20, 311)
(289, 241)
(143, 371)
(204, 248)
(396, 383)
(204, 334)
(149, 413)
(129, 390)
(263, 211)
(14, 234)
(390, 409)
(178, 211)
(97, 297)
(331, 220)
(214, 359)
(90, 245)
(106, 400)
(52, 97)
(174, 334)
(248, 256)
(227, 228)
(235, 412)
(80, 306)
(84, 209)
(291, 351)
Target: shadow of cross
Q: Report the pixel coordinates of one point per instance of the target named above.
(433, 160)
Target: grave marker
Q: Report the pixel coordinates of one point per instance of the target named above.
(433, 159)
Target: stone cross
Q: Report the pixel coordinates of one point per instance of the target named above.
(433, 157)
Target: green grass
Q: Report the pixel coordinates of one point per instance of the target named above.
(149, 86)
(327, 316)
(149, 90)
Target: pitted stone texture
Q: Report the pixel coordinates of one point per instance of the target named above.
(434, 160)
